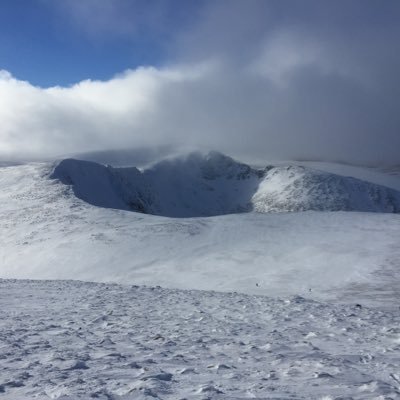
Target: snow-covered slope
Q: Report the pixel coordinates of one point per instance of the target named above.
(46, 232)
(297, 188)
(214, 184)
(378, 175)
(74, 340)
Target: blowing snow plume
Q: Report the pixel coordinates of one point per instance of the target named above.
(214, 184)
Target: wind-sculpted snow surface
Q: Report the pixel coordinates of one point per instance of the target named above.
(215, 184)
(73, 340)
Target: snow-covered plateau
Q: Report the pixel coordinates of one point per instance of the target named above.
(279, 282)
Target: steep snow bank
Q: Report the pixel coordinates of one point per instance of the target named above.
(215, 184)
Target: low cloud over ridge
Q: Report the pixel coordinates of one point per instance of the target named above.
(320, 84)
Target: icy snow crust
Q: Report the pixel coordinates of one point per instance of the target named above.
(208, 185)
(73, 340)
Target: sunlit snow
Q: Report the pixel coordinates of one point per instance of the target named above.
(292, 305)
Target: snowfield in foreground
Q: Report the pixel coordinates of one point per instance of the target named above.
(63, 339)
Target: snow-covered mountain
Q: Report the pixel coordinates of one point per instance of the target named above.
(190, 186)
(48, 232)
(214, 184)
(78, 220)
(298, 188)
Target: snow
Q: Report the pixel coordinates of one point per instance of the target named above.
(276, 315)
(378, 175)
(213, 184)
(297, 188)
(48, 233)
(190, 186)
(72, 340)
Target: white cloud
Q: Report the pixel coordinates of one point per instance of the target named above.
(285, 52)
(127, 110)
(250, 78)
(209, 105)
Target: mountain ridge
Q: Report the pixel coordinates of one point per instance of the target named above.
(47, 232)
(213, 184)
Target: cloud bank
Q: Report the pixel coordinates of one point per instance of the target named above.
(253, 79)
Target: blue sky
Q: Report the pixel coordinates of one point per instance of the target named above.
(262, 79)
(62, 42)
